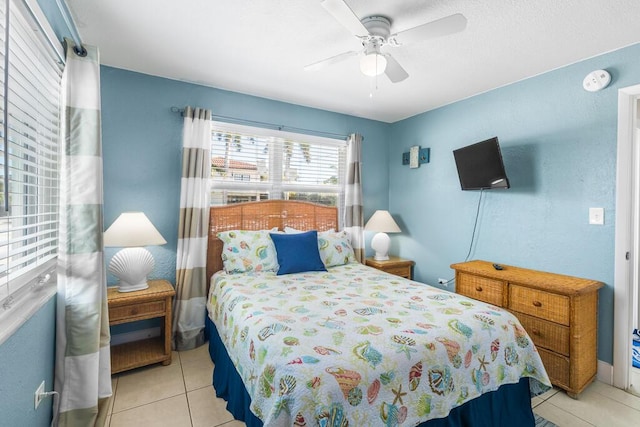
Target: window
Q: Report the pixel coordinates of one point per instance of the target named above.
(29, 144)
(251, 164)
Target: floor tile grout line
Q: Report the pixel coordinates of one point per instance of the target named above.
(544, 399)
(618, 401)
(571, 414)
(177, 359)
(113, 402)
(186, 395)
(186, 392)
(610, 399)
(114, 390)
(148, 403)
(158, 400)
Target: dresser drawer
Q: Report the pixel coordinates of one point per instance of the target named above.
(545, 305)
(480, 288)
(546, 334)
(131, 312)
(558, 368)
(399, 271)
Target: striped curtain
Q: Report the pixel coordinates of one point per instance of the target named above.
(191, 263)
(353, 216)
(83, 368)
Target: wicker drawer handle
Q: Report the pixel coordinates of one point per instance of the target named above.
(535, 332)
(537, 304)
(134, 311)
(479, 288)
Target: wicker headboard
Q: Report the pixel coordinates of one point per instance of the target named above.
(264, 215)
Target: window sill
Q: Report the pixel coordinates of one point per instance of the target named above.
(24, 307)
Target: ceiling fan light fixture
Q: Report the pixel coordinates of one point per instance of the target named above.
(373, 64)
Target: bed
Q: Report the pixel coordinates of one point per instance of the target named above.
(352, 345)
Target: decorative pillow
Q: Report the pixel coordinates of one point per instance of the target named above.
(335, 248)
(245, 250)
(298, 252)
(290, 230)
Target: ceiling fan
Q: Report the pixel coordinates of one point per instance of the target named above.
(375, 34)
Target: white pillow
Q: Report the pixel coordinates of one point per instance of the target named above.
(290, 230)
(245, 250)
(335, 248)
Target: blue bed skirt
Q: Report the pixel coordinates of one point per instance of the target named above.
(508, 406)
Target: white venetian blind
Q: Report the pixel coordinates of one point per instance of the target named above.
(249, 163)
(3, 213)
(30, 138)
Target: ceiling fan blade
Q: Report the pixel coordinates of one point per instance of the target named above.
(438, 28)
(344, 15)
(329, 61)
(394, 70)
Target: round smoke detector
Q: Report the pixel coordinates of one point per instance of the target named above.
(596, 80)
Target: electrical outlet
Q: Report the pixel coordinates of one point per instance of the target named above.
(442, 281)
(38, 395)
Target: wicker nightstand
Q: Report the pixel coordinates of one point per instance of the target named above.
(125, 307)
(394, 265)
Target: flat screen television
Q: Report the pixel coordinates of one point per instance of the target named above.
(480, 166)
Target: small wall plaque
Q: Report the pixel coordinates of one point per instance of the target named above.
(415, 157)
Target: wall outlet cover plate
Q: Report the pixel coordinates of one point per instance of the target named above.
(596, 216)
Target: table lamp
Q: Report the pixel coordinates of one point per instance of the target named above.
(130, 265)
(382, 222)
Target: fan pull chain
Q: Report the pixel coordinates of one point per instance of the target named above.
(373, 85)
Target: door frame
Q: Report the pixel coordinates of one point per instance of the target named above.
(625, 235)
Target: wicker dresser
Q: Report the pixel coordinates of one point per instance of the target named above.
(558, 312)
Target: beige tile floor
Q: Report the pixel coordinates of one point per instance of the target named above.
(180, 395)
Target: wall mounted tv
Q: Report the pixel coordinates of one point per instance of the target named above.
(480, 166)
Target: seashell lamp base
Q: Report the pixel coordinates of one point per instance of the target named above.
(131, 266)
(380, 244)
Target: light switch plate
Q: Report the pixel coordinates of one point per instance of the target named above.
(596, 216)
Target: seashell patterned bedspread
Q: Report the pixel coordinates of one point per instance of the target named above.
(357, 346)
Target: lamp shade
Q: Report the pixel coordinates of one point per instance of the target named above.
(382, 221)
(132, 229)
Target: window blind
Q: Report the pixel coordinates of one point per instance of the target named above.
(30, 84)
(249, 163)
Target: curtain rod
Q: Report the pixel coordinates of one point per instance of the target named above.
(71, 26)
(269, 125)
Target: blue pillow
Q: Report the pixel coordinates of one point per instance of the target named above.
(298, 253)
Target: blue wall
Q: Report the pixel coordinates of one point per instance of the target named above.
(26, 359)
(28, 356)
(559, 145)
(142, 142)
(558, 142)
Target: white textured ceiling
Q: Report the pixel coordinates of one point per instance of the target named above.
(260, 47)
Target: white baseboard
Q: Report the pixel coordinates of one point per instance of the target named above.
(634, 376)
(605, 372)
(605, 375)
(135, 335)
